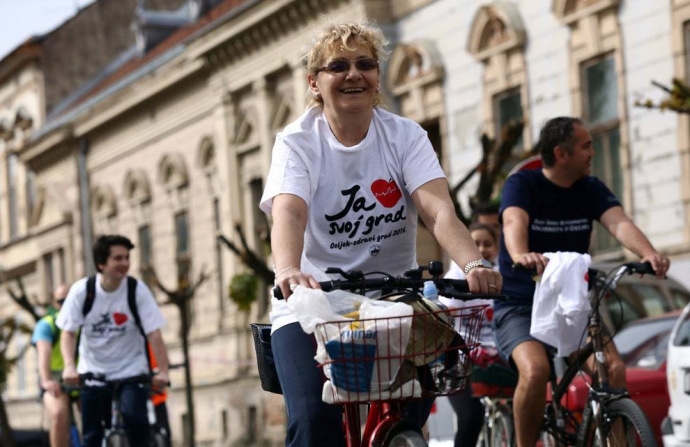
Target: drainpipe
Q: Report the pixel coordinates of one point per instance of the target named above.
(84, 208)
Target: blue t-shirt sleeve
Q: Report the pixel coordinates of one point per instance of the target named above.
(602, 198)
(42, 332)
(516, 192)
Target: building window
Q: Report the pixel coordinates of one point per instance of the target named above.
(12, 193)
(219, 259)
(30, 194)
(600, 95)
(182, 254)
(48, 275)
(145, 255)
(686, 42)
(508, 107)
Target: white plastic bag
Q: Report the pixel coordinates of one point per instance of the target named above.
(362, 355)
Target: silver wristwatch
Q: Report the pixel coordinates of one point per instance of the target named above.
(476, 263)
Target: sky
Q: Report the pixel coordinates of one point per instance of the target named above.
(21, 19)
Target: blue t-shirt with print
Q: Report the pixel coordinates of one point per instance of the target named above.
(560, 219)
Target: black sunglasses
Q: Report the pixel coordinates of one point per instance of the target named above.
(343, 65)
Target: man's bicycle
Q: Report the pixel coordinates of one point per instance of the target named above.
(610, 417)
(435, 359)
(115, 435)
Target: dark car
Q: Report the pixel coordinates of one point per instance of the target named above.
(635, 298)
(643, 344)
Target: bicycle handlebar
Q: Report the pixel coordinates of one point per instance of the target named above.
(449, 288)
(630, 268)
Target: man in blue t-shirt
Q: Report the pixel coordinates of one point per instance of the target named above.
(549, 210)
(46, 338)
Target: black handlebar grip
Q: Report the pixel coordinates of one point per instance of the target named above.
(278, 293)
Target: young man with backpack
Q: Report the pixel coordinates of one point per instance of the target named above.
(117, 315)
(46, 338)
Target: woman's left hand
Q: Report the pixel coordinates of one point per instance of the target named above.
(484, 280)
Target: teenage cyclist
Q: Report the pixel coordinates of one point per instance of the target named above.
(111, 343)
(549, 210)
(46, 338)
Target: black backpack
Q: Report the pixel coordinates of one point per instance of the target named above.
(131, 301)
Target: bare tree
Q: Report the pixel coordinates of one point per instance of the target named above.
(182, 298)
(678, 99)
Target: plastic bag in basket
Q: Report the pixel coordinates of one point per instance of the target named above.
(362, 355)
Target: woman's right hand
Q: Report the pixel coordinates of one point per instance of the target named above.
(289, 281)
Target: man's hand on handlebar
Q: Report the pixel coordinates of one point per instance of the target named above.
(160, 380)
(532, 261)
(484, 280)
(660, 264)
(70, 376)
(290, 280)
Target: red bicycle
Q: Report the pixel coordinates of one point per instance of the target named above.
(375, 365)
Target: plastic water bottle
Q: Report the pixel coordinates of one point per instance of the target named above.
(430, 291)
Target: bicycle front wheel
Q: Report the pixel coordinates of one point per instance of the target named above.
(624, 424)
(116, 439)
(407, 438)
(502, 428)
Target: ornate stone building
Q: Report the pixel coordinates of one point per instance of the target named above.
(168, 140)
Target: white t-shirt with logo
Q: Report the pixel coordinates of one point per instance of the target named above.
(361, 214)
(110, 341)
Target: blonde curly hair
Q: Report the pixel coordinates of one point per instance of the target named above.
(347, 36)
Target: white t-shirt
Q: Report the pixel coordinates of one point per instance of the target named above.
(110, 341)
(361, 214)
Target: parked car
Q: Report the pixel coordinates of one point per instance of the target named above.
(635, 298)
(643, 345)
(676, 426)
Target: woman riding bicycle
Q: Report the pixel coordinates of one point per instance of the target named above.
(346, 184)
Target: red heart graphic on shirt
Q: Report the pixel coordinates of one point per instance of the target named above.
(386, 192)
(119, 318)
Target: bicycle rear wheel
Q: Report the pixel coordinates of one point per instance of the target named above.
(407, 438)
(502, 428)
(624, 425)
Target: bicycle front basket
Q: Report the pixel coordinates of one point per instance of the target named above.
(264, 358)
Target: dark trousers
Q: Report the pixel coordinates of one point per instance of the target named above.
(96, 413)
(311, 422)
(469, 412)
(163, 422)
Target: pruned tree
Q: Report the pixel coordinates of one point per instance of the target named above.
(9, 328)
(182, 298)
(491, 168)
(678, 99)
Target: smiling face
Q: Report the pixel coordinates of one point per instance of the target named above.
(350, 91)
(117, 264)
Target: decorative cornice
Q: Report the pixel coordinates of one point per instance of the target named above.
(570, 11)
(496, 28)
(291, 17)
(413, 65)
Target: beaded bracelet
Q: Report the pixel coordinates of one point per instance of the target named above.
(286, 269)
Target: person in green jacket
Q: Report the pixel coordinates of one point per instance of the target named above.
(46, 338)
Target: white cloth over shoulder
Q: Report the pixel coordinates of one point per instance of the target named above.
(561, 307)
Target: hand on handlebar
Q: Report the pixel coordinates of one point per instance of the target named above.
(70, 376)
(290, 280)
(660, 264)
(160, 380)
(52, 387)
(484, 280)
(532, 261)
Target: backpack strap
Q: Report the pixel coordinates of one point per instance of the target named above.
(132, 302)
(88, 304)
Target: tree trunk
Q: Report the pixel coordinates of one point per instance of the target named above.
(184, 333)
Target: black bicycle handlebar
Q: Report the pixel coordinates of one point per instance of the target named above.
(413, 281)
(643, 268)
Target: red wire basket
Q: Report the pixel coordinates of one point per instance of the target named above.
(428, 353)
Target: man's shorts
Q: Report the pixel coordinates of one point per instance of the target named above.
(511, 325)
